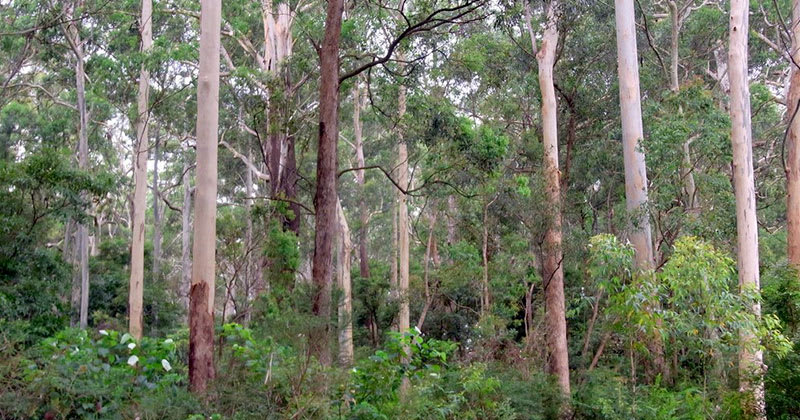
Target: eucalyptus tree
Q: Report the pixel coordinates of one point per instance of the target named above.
(750, 355)
(201, 295)
(141, 145)
(553, 271)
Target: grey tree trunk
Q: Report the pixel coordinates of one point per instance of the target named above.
(157, 216)
(344, 245)
(201, 294)
(751, 366)
(186, 233)
(633, 155)
(136, 287)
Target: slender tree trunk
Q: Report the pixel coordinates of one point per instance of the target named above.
(552, 273)
(675, 21)
(136, 291)
(343, 278)
(82, 235)
(403, 321)
(687, 173)
(186, 234)
(325, 196)
(393, 262)
(486, 302)
(750, 356)
(201, 294)
(793, 148)
(633, 156)
(363, 255)
(429, 248)
(250, 268)
(157, 216)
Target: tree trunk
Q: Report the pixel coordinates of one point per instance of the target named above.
(363, 212)
(201, 295)
(485, 292)
(429, 249)
(552, 273)
(675, 21)
(251, 261)
(139, 204)
(343, 278)
(325, 196)
(633, 156)
(403, 321)
(750, 356)
(157, 216)
(186, 234)
(82, 234)
(793, 148)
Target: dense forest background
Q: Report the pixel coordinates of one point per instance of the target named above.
(371, 209)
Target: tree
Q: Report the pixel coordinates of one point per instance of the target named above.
(140, 179)
(344, 246)
(325, 196)
(633, 155)
(750, 355)
(201, 294)
(552, 268)
(793, 146)
(72, 32)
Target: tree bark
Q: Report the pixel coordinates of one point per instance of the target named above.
(343, 278)
(325, 196)
(363, 255)
(82, 233)
(157, 216)
(633, 156)
(750, 356)
(201, 296)
(403, 321)
(429, 248)
(793, 148)
(552, 273)
(136, 291)
(186, 234)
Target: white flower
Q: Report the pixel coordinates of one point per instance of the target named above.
(165, 364)
(131, 346)
(103, 332)
(132, 360)
(168, 341)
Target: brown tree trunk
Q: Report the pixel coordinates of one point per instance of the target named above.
(201, 296)
(325, 196)
(343, 278)
(429, 249)
(793, 148)
(140, 181)
(750, 356)
(552, 273)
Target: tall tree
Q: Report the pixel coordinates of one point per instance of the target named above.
(201, 294)
(135, 294)
(403, 316)
(750, 355)
(553, 273)
(325, 196)
(633, 155)
(358, 142)
(344, 246)
(72, 32)
(793, 146)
